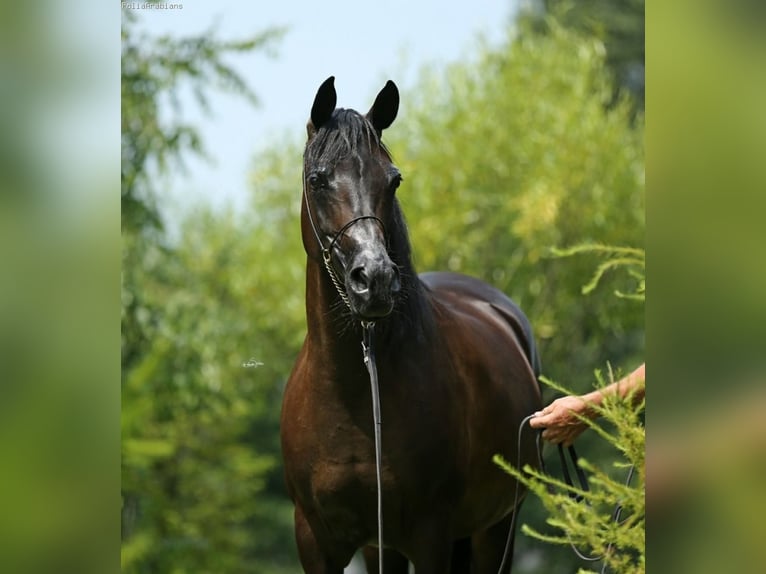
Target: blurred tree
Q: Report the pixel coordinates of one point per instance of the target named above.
(195, 468)
(618, 24)
(153, 72)
(201, 408)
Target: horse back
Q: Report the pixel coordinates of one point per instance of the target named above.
(457, 288)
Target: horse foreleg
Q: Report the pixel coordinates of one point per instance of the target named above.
(461, 556)
(314, 558)
(432, 548)
(393, 561)
(488, 547)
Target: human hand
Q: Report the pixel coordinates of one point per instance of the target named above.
(559, 419)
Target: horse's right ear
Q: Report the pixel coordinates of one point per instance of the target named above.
(324, 105)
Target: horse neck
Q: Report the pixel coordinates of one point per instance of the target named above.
(326, 316)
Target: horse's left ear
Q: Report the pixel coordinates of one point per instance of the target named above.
(383, 112)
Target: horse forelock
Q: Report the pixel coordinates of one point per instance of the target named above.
(346, 133)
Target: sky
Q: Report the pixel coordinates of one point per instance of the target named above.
(361, 43)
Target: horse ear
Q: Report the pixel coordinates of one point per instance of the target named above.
(324, 104)
(383, 112)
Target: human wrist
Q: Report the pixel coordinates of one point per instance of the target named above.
(592, 399)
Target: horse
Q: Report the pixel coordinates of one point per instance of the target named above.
(457, 372)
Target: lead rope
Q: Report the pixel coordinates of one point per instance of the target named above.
(368, 349)
(567, 479)
(511, 530)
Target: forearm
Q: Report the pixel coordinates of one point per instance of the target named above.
(634, 383)
(562, 418)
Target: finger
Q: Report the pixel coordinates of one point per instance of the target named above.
(551, 436)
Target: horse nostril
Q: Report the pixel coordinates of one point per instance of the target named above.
(360, 282)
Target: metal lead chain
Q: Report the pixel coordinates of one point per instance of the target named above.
(335, 281)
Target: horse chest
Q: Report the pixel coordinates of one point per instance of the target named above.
(333, 483)
(343, 487)
(344, 472)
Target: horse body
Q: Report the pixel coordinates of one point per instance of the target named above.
(455, 366)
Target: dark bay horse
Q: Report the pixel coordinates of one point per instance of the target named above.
(457, 369)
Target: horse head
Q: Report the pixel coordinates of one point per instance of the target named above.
(349, 181)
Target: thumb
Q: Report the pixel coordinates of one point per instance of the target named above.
(537, 420)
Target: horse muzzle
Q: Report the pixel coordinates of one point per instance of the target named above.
(372, 284)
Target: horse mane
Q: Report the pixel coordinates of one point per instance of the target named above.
(412, 311)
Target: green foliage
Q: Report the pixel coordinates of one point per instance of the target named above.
(630, 258)
(201, 475)
(589, 524)
(201, 486)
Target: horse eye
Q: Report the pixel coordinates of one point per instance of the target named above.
(316, 181)
(396, 183)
